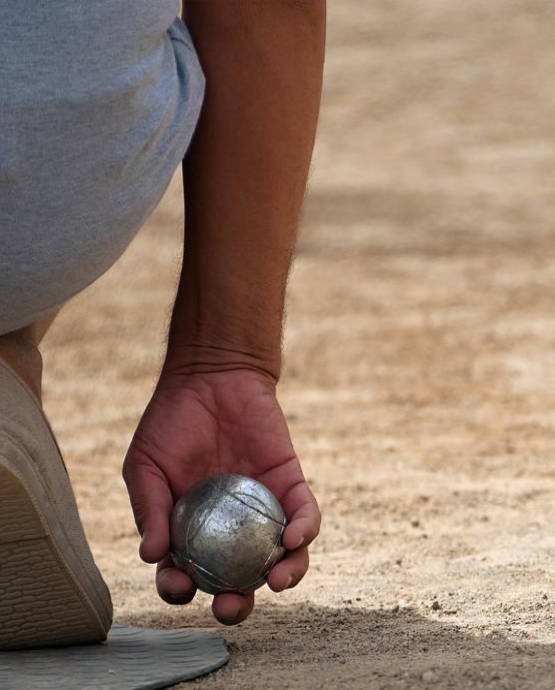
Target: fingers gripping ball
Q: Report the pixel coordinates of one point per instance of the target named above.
(226, 533)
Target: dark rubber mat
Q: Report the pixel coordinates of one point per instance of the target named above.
(130, 659)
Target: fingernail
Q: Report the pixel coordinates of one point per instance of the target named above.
(230, 620)
(289, 582)
(177, 598)
(300, 543)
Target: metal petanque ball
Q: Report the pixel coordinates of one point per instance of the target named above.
(226, 533)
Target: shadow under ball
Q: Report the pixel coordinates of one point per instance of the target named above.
(226, 533)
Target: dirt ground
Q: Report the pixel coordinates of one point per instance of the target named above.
(420, 366)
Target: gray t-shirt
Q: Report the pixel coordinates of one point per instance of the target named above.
(98, 103)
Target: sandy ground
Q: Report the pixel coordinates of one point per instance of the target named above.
(420, 366)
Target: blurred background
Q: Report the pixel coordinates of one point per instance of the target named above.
(419, 376)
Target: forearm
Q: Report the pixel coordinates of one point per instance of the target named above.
(244, 178)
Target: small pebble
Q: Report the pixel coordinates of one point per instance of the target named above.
(429, 677)
(436, 605)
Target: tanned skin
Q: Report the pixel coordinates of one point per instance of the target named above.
(214, 408)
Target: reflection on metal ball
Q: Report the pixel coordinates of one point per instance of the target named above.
(226, 533)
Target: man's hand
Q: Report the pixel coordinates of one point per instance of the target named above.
(214, 409)
(201, 424)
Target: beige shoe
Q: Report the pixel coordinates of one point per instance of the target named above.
(51, 592)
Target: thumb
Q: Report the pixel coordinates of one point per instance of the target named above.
(152, 503)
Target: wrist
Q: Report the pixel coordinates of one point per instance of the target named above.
(223, 329)
(224, 320)
(187, 358)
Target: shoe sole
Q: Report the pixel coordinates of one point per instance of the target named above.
(51, 592)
